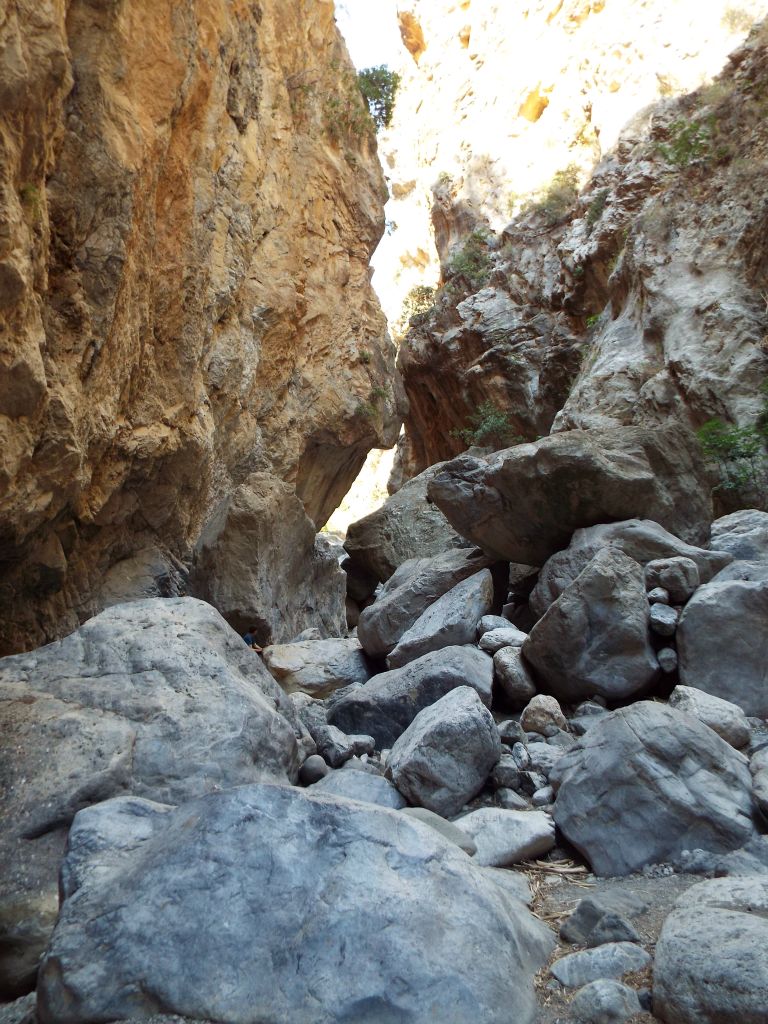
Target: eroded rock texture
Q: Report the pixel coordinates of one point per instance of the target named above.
(189, 194)
(598, 245)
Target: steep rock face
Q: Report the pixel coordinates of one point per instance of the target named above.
(506, 112)
(189, 195)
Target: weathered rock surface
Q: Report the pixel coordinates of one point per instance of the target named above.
(593, 910)
(496, 639)
(506, 837)
(407, 594)
(159, 698)
(647, 782)
(450, 621)
(641, 539)
(605, 1002)
(712, 956)
(258, 563)
(212, 878)
(594, 639)
(678, 576)
(371, 789)
(744, 534)
(613, 960)
(722, 643)
(181, 303)
(725, 718)
(543, 714)
(408, 525)
(447, 752)
(512, 505)
(317, 667)
(389, 702)
(512, 678)
(447, 829)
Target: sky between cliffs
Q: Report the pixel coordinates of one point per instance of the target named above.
(370, 31)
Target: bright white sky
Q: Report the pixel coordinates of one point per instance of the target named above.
(370, 30)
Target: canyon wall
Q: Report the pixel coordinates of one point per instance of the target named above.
(189, 196)
(587, 236)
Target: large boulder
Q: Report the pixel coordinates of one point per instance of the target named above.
(157, 697)
(447, 752)
(407, 594)
(389, 702)
(725, 718)
(506, 837)
(258, 563)
(641, 539)
(647, 782)
(722, 643)
(317, 667)
(712, 955)
(594, 639)
(268, 903)
(450, 621)
(744, 534)
(408, 525)
(524, 503)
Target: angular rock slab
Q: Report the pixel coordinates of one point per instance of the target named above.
(264, 903)
(647, 782)
(640, 539)
(447, 752)
(389, 702)
(744, 534)
(524, 503)
(725, 718)
(156, 697)
(507, 837)
(612, 960)
(594, 639)
(370, 789)
(317, 667)
(712, 956)
(722, 643)
(450, 621)
(407, 594)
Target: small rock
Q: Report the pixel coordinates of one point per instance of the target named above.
(542, 714)
(510, 800)
(313, 769)
(658, 596)
(512, 676)
(612, 960)
(507, 837)
(510, 732)
(667, 658)
(521, 756)
(543, 797)
(357, 785)
(589, 708)
(489, 622)
(506, 773)
(605, 1002)
(543, 757)
(336, 747)
(612, 928)
(497, 639)
(592, 909)
(679, 576)
(663, 619)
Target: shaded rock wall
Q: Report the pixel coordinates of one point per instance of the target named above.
(189, 194)
(505, 115)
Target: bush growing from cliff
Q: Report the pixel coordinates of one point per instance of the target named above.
(489, 426)
(419, 300)
(379, 87)
(472, 262)
(740, 455)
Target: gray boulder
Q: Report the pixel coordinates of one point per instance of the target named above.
(513, 507)
(725, 718)
(447, 829)
(758, 766)
(613, 960)
(408, 593)
(371, 789)
(496, 639)
(594, 639)
(506, 837)
(712, 956)
(592, 910)
(450, 621)
(543, 715)
(317, 667)
(268, 903)
(408, 525)
(336, 747)
(744, 534)
(259, 562)
(605, 1002)
(389, 702)
(489, 622)
(159, 698)
(640, 539)
(679, 576)
(445, 755)
(513, 679)
(647, 782)
(722, 643)
(663, 620)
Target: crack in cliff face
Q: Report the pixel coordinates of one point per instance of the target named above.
(184, 284)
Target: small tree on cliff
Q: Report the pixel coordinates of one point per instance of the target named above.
(379, 87)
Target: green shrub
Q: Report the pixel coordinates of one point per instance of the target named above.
(344, 112)
(596, 207)
(379, 87)
(739, 454)
(560, 195)
(688, 141)
(419, 300)
(472, 262)
(489, 426)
